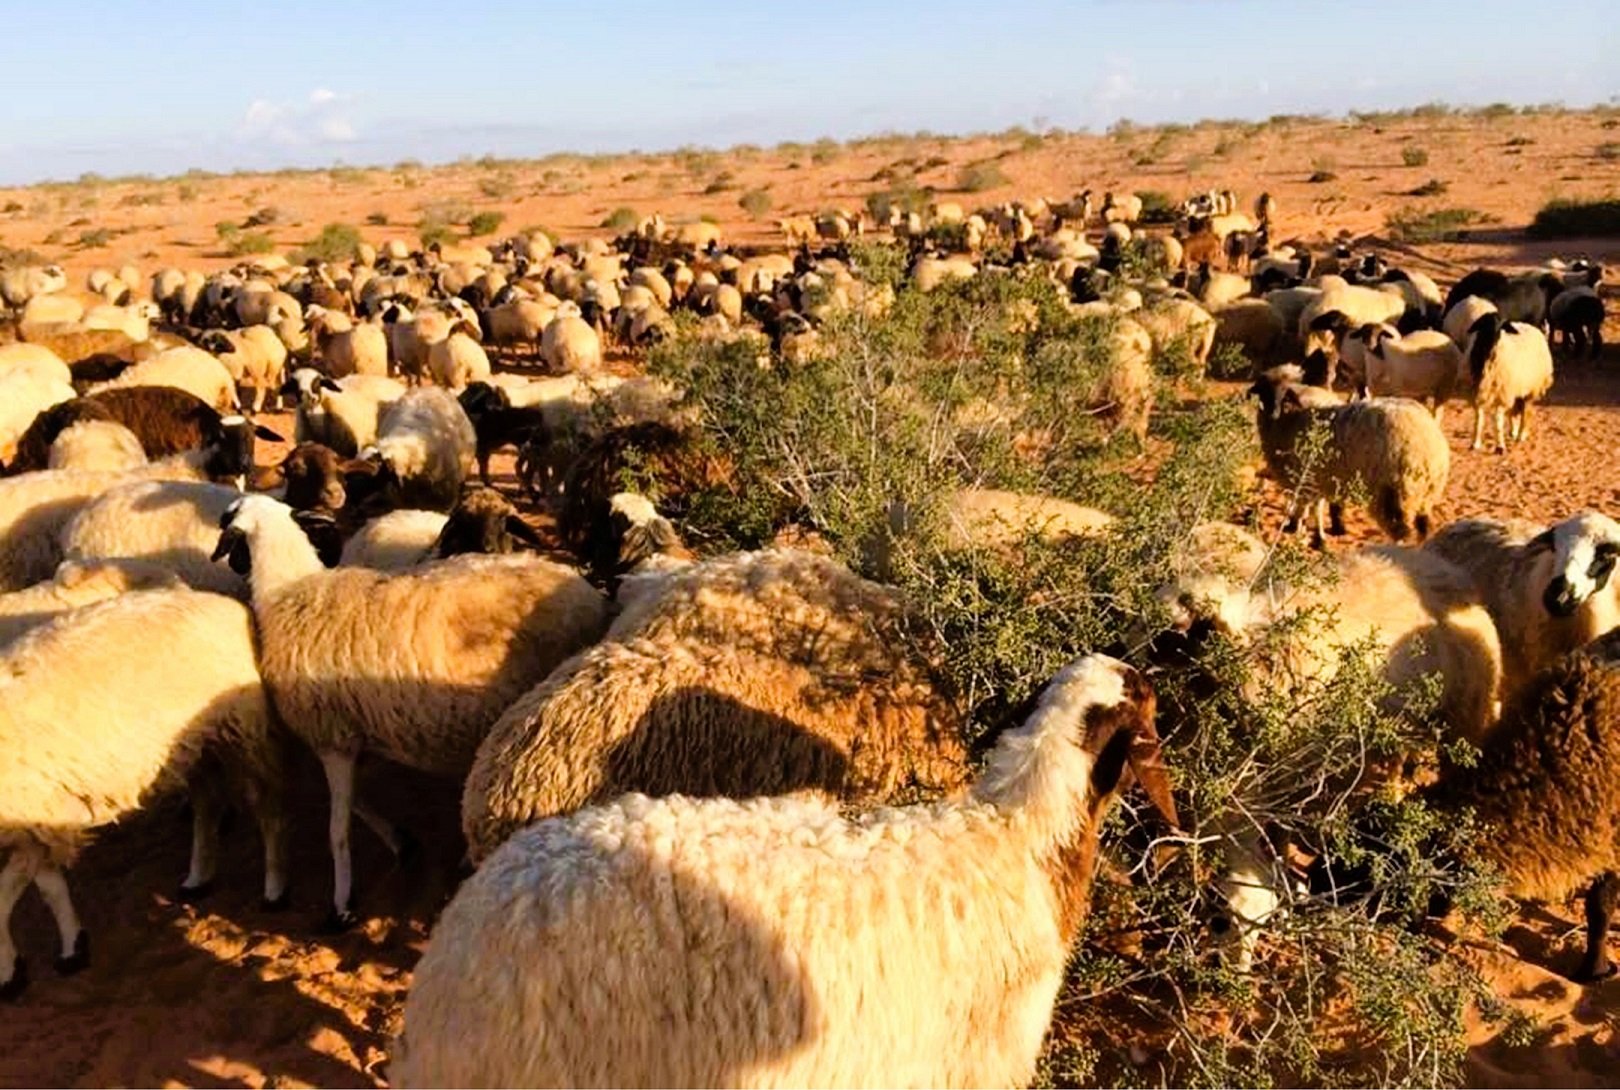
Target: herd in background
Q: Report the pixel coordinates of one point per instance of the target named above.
(362, 597)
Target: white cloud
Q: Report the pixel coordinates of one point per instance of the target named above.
(321, 118)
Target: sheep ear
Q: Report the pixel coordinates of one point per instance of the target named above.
(523, 532)
(325, 383)
(1543, 540)
(360, 467)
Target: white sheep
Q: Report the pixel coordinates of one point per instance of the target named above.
(97, 719)
(569, 344)
(427, 445)
(457, 361)
(96, 445)
(1462, 316)
(1511, 366)
(347, 347)
(186, 368)
(1179, 324)
(255, 357)
(343, 414)
(20, 283)
(76, 584)
(24, 394)
(395, 541)
(1423, 365)
(1548, 588)
(171, 524)
(35, 507)
(921, 946)
(133, 321)
(414, 666)
(35, 359)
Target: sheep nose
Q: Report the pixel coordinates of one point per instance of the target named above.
(1560, 598)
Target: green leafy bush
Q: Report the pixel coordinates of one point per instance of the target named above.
(979, 177)
(1575, 219)
(756, 202)
(336, 242)
(485, 223)
(980, 383)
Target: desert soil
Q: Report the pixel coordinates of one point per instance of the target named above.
(228, 994)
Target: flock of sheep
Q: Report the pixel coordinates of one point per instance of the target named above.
(675, 769)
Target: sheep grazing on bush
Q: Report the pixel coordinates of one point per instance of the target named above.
(1576, 314)
(1547, 587)
(415, 666)
(782, 900)
(677, 462)
(728, 677)
(1390, 446)
(97, 720)
(1545, 789)
(1511, 366)
(74, 585)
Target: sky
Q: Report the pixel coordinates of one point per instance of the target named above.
(121, 88)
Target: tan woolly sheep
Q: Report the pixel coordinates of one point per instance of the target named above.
(96, 720)
(780, 926)
(415, 666)
(1511, 366)
(737, 677)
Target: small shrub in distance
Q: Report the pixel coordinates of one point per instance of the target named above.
(336, 242)
(620, 219)
(1434, 187)
(377, 219)
(756, 202)
(244, 243)
(485, 223)
(979, 177)
(1607, 151)
(1440, 225)
(1157, 206)
(1321, 177)
(1574, 219)
(434, 231)
(1414, 157)
(95, 238)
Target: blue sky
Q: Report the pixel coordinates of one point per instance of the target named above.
(124, 87)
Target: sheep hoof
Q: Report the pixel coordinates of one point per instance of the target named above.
(18, 983)
(1590, 973)
(337, 923)
(279, 903)
(79, 960)
(190, 895)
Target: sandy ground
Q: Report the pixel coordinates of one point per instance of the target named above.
(227, 994)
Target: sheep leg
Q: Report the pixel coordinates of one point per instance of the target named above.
(1600, 905)
(205, 821)
(1597, 341)
(400, 842)
(75, 942)
(18, 873)
(1522, 432)
(1318, 538)
(1336, 519)
(258, 399)
(339, 768)
(273, 831)
(1501, 431)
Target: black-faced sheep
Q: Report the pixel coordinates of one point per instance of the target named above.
(1511, 366)
(1391, 447)
(1548, 588)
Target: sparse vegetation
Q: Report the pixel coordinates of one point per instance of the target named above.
(620, 219)
(95, 238)
(485, 223)
(336, 242)
(377, 219)
(1414, 157)
(1434, 187)
(239, 243)
(979, 177)
(1607, 151)
(498, 188)
(756, 202)
(1322, 177)
(1439, 225)
(1577, 219)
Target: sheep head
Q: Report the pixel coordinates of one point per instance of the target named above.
(1585, 549)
